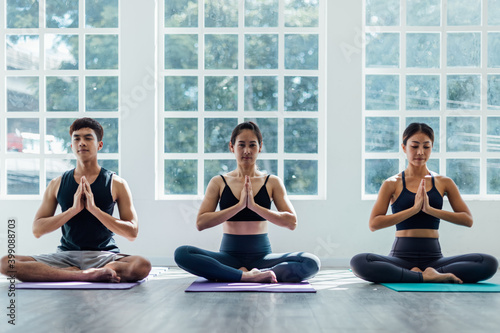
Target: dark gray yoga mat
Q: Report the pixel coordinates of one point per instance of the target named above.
(204, 285)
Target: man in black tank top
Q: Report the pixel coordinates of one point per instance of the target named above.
(87, 196)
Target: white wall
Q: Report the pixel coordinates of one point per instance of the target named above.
(335, 229)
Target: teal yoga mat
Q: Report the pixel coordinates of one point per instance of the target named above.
(445, 287)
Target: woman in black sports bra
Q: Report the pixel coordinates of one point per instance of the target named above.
(416, 197)
(244, 196)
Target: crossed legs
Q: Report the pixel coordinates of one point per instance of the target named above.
(27, 269)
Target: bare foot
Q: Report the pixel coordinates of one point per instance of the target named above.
(244, 269)
(416, 269)
(101, 274)
(258, 276)
(431, 275)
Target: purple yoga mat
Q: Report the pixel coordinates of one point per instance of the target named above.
(76, 285)
(203, 285)
(89, 285)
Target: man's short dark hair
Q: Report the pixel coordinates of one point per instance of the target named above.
(87, 123)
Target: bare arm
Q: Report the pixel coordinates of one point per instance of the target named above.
(379, 218)
(126, 225)
(208, 217)
(285, 216)
(461, 214)
(45, 222)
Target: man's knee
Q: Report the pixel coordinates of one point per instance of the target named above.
(4, 265)
(142, 268)
(137, 269)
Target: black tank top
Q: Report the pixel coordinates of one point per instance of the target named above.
(420, 220)
(227, 199)
(84, 231)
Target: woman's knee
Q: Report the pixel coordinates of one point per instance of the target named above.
(490, 264)
(181, 254)
(311, 263)
(359, 265)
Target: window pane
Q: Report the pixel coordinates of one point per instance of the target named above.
(465, 173)
(269, 129)
(181, 51)
(101, 51)
(433, 164)
(56, 167)
(221, 93)
(111, 135)
(382, 50)
(463, 134)
(301, 13)
(181, 135)
(111, 165)
(493, 134)
(218, 133)
(493, 176)
(221, 51)
(423, 12)
(261, 51)
(57, 139)
(377, 171)
(181, 176)
(301, 93)
(269, 167)
(181, 93)
(261, 93)
(22, 14)
(101, 93)
(23, 176)
(301, 177)
(62, 93)
(382, 92)
(22, 52)
(422, 92)
(23, 135)
(464, 12)
(493, 92)
(22, 93)
(217, 167)
(464, 49)
(423, 50)
(262, 13)
(301, 135)
(493, 12)
(61, 13)
(464, 92)
(181, 13)
(101, 13)
(61, 51)
(221, 13)
(301, 51)
(382, 134)
(493, 50)
(382, 12)
(433, 122)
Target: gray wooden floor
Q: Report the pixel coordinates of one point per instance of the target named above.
(343, 303)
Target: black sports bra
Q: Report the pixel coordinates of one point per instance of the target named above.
(420, 220)
(227, 199)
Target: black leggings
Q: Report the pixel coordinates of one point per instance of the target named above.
(249, 251)
(409, 252)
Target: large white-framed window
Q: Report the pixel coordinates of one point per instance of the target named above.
(221, 62)
(61, 62)
(437, 62)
